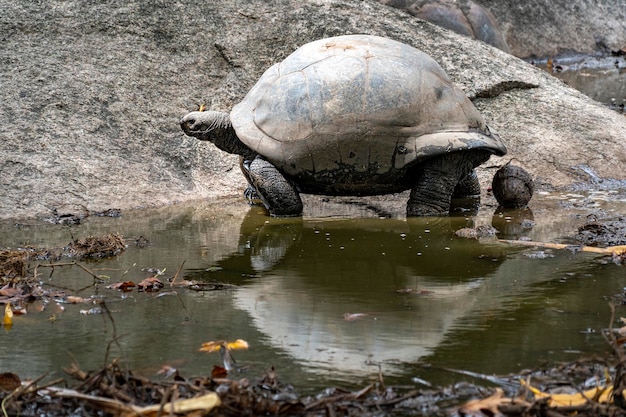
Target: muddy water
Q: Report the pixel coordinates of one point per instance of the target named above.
(602, 79)
(327, 299)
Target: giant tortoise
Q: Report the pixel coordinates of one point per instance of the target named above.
(354, 115)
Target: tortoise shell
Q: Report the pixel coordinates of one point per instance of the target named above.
(365, 106)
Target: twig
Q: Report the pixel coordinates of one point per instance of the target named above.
(182, 303)
(114, 338)
(19, 391)
(609, 250)
(177, 273)
(97, 277)
(110, 405)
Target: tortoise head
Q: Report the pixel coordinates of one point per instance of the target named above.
(215, 127)
(206, 125)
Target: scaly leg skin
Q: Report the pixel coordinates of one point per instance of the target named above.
(432, 194)
(249, 193)
(279, 196)
(468, 187)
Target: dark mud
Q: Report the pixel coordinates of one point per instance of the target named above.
(602, 233)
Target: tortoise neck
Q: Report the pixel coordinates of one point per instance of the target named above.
(225, 138)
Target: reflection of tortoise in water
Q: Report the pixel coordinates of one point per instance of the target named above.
(354, 115)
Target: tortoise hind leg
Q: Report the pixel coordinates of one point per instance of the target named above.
(279, 195)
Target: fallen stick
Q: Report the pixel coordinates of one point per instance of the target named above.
(609, 250)
(202, 403)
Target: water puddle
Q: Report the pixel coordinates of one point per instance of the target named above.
(602, 79)
(327, 299)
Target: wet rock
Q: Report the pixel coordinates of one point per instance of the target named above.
(477, 232)
(602, 233)
(512, 186)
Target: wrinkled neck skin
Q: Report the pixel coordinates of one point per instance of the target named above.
(216, 128)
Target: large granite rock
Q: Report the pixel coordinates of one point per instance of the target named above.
(92, 92)
(530, 28)
(544, 28)
(465, 17)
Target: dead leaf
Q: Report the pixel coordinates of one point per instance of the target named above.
(224, 349)
(488, 406)
(600, 394)
(218, 372)
(150, 284)
(237, 345)
(215, 346)
(7, 291)
(9, 381)
(72, 299)
(8, 316)
(19, 310)
(125, 286)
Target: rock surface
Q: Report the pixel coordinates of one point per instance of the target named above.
(530, 28)
(92, 92)
(544, 28)
(465, 17)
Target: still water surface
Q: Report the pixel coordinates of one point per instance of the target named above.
(602, 79)
(427, 300)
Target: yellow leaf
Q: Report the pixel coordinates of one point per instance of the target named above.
(237, 344)
(212, 346)
(8, 315)
(215, 346)
(601, 394)
(488, 406)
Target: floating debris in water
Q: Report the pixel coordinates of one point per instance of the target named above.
(539, 254)
(477, 232)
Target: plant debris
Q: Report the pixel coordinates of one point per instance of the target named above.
(115, 391)
(582, 388)
(21, 287)
(96, 247)
(14, 262)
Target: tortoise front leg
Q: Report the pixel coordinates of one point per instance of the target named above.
(442, 177)
(279, 195)
(468, 187)
(432, 194)
(249, 193)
